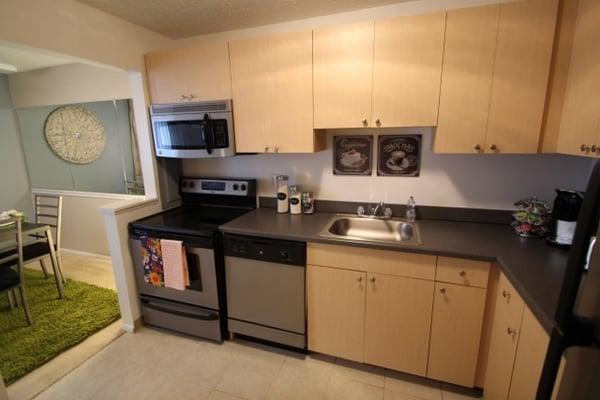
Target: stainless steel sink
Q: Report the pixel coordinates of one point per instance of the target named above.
(373, 230)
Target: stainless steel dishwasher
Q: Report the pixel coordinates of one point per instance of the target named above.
(265, 280)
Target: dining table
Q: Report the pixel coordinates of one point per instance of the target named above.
(39, 231)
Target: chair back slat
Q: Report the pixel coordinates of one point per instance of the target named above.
(48, 210)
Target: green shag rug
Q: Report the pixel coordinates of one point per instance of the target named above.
(57, 324)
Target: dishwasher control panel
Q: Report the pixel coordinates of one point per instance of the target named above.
(265, 249)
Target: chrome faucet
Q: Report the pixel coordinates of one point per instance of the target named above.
(379, 207)
(380, 211)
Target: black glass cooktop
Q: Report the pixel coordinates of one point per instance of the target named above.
(191, 220)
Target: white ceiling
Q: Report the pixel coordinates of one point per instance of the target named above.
(24, 59)
(183, 18)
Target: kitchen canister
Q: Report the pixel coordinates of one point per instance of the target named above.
(295, 200)
(282, 187)
(308, 202)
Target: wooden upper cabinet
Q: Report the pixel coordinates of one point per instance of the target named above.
(508, 316)
(529, 361)
(469, 55)
(251, 85)
(272, 93)
(407, 66)
(292, 93)
(456, 333)
(336, 311)
(495, 77)
(343, 74)
(397, 322)
(523, 55)
(580, 127)
(188, 74)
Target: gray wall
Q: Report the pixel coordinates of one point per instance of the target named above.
(105, 175)
(15, 191)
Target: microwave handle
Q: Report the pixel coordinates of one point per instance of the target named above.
(208, 139)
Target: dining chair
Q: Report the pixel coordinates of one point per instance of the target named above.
(11, 269)
(48, 210)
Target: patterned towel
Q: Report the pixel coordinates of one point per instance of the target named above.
(152, 261)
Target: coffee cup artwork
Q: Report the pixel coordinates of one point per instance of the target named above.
(399, 155)
(352, 155)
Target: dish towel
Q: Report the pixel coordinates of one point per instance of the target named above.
(175, 264)
(152, 261)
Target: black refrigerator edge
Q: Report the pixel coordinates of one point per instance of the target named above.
(576, 334)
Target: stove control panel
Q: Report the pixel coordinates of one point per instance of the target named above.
(232, 187)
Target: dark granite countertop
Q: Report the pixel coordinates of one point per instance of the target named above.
(535, 269)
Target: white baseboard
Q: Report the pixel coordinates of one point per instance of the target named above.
(85, 253)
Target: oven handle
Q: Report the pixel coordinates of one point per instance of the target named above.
(206, 317)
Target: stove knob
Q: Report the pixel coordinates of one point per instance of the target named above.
(243, 187)
(284, 255)
(184, 184)
(235, 186)
(192, 185)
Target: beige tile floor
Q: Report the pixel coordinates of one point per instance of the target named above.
(81, 267)
(152, 364)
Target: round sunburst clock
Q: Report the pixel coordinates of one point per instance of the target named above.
(75, 134)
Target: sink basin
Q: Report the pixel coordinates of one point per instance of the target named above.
(373, 230)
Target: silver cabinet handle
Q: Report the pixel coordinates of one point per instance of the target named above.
(462, 273)
(182, 97)
(365, 122)
(594, 148)
(477, 147)
(443, 290)
(372, 279)
(511, 331)
(493, 147)
(267, 149)
(584, 147)
(505, 294)
(276, 148)
(359, 279)
(378, 122)
(191, 96)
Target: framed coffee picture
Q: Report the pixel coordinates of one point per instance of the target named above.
(399, 155)
(352, 155)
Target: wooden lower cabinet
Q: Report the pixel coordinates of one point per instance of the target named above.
(529, 361)
(336, 311)
(456, 333)
(397, 322)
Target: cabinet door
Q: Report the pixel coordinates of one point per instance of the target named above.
(406, 70)
(456, 333)
(251, 87)
(397, 322)
(291, 96)
(166, 72)
(336, 311)
(580, 125)
(207, 71)
(469, 54)
(529, 361)
(524, 51)
(343, 75)
(508, 315)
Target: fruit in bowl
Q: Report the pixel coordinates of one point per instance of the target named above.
(12, 213)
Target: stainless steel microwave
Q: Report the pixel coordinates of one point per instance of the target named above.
(193, 130)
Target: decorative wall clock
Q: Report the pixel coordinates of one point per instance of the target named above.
(75, 134)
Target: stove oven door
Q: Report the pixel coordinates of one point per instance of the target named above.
(201, 264)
